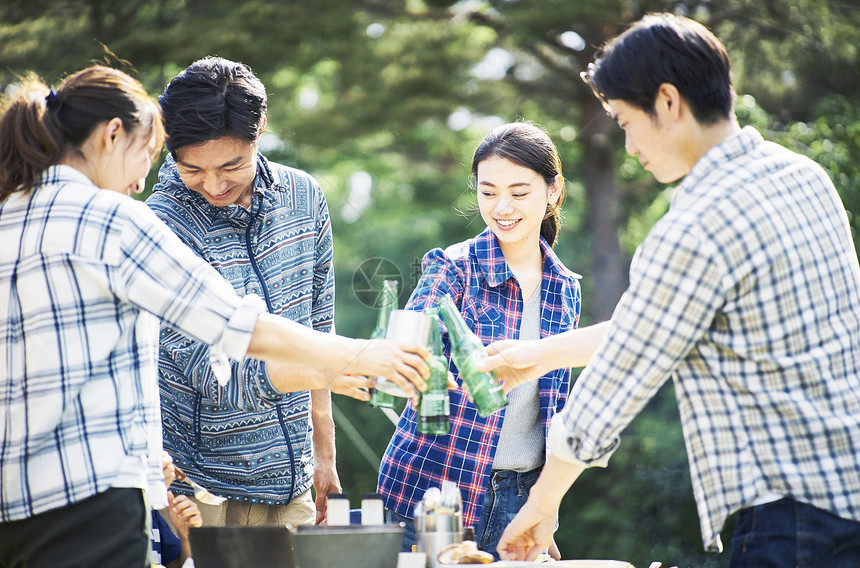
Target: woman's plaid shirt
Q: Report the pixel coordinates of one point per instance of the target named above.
(83, 272)
(479, 280)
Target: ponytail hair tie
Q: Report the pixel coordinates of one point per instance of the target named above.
(51, 99)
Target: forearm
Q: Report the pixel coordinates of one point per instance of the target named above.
(555, 480)
(289, 377)
(279, 339)
(574, 348)
(323, 423)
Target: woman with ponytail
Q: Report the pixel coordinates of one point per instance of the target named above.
(85, 274)
(507, 284)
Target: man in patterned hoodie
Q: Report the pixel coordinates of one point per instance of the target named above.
(261, 442)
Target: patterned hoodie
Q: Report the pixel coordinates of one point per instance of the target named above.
(247, 441)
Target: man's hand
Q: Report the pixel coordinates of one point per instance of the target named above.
(325, 473)
(531, 531)
(325, 481)
(529, 534)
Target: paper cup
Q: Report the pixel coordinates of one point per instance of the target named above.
(404, 326)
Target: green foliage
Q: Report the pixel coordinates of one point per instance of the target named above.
(833, 140)
(399, 93)
(790, 53)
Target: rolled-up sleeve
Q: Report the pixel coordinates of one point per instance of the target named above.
(233, 343)
(573, 447)
(159, 274)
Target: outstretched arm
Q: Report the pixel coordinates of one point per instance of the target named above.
(516, 362)
(278, 339)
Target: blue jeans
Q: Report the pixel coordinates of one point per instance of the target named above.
(506, 493)
(791, 533)
(408, 529)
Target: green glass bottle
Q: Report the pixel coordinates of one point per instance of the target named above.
(466, 350)
(387, 304)
(434, 408)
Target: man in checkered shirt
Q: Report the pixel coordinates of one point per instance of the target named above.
(745, 294)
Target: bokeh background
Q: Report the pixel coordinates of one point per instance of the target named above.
(383, 101)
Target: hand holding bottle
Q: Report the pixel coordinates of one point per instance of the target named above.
(466, 351)
(404, 364)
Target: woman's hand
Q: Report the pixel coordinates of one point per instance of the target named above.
(514, 361)
(403, 364)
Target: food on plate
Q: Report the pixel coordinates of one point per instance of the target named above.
(465, 552)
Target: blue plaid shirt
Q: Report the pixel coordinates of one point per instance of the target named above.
(479, 280)
(746, 294)
(83, 272)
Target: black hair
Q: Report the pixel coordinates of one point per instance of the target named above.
(212, 98)
(529, 146)
(664, 48)
(40, 126)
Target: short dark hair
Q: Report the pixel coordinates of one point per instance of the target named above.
(529, 146)
(212, 98)
(664, 48)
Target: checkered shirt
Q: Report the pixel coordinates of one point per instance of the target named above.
(746, 294)
(83, 272)
(482, 285)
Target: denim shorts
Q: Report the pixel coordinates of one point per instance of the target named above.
(790, 533)
(505, 495)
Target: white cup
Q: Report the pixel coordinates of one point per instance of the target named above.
(411, 560)
(404, 326)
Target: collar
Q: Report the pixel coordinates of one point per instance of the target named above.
(64, 174)
(488, 255)
(745, 141)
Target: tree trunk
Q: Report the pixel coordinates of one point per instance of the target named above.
(603, 211)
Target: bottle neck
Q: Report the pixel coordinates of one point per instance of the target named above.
(388, 301)
(457, 327)
(435, 343)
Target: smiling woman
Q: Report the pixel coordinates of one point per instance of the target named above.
(506, 283)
